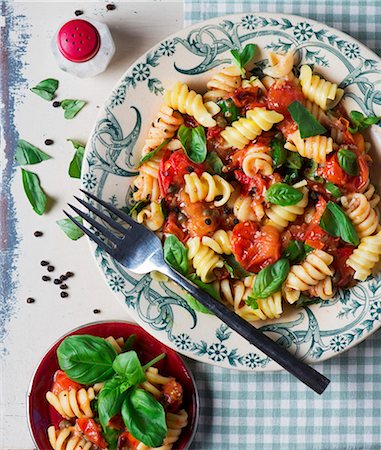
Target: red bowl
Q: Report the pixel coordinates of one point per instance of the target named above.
(41, 415)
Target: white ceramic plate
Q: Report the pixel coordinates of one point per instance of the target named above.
(315, 333)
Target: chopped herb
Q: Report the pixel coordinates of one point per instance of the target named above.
(348, 161)
(229, 110)
(75, 166)
(154, 152)
(333, 189)
(244, 57)
(70, 228)
(335, 222)
(194, 142)
(33, 191)
(72, 107)
(283, 194)
(26, 153)
(296, 251)
(215, 162)
(46, 88)
(278, 152)
(361, 122)
(307, 124)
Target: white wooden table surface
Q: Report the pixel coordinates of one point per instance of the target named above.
(32, 328)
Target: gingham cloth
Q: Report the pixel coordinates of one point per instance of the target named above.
(269, 411)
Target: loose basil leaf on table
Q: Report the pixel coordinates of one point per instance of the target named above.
(27, 153)
(283, 194)
(348, 161)
(296, 251)
(86, 359)
(307, 124)
(229, 110)
(333, 189)
(270, 279)
(194, 142)
(110, 399)
(33, 191)
(215, 162)
(46, 88)
(75, 166)
(176, 254)
(128, 366)
(360, 122)
(144, 417)
(208, 288)
(336, 223)
(72, 107)
(278, 152)
(154, 152)
(240, 59)
(70, 228)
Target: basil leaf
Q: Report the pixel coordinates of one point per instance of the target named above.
(151, 154)
(110, 400)
(46, 88)
(294, 161)
(251, 301)
(26, 153)
(292, 176)
(241, 59)
(234, 267)
(208, 288)
(304, 300)
(135, 210)
(270, 279)
(129, 344)
(278, 152)
(335, 222)
(194, 142)
(144, 417)
(361, 122)
(128, 366)
(75, 166)
(164, 208)
(70, 228)
(310, 170)
(348, 161)
(176, 254)
(86, 359)
(215, 162)
(296, 251)
(72, 107)
(112, 436)
(307, 124)
(229, 110)
(283, 194)
(333, 189)
(33, 191)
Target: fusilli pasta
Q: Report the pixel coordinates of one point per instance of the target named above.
(365, 256)
(281, 216)
(207, 187)
(258, 159)
(223, 82)
(72, 403)
(219, 242)
(151, 216)
(281, 65)
(363, 216)
(324, 289)
(314, 147)
(204, 259)
(67, 439)
(245, 208)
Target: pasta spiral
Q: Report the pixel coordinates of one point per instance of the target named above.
(363, 216)
(281, 65)
(207, 187)
(244, 130)
(245, 208)
(153, 382)
(317, 90)
(219, 242)
(365, 256)
(68, 439)
(222, 83)
(146, 187)
(72, 403)
(307, 274)
(314, 147)
(257, 159)
(165, 126)
(318, 113)
(254, 82)
(281, 216)
(188, 102)
(204, 259)
(151, 216)
(116, 343)
(323, 289)
(370, 193)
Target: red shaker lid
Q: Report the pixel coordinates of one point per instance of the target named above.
(78, 40)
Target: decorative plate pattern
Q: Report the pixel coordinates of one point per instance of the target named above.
(315, 333)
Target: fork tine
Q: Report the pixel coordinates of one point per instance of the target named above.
(102, 215)
(98, 226)
(91, 235)
(112, 208)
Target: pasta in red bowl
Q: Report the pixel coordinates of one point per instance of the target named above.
(112, 386)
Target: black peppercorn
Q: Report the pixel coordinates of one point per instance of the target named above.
(44, 263)
(50, 268)
(235, 221)
(190, 169)
(208, 221)
(45, 278)
(78, 12)
(63, 286)
(110, 7)
(56, 104)
(96, 311)
(30, 300)
(64, 294)
(38, 233)
(49, 141)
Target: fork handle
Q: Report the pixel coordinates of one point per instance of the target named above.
(299, 369)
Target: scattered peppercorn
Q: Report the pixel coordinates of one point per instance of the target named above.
(63, 286)
(96, 311)
(49, 141)
(44, 263)
(63, 277)
(45, 278)
(190, 169)
(56, 104)
(69, 274)
(57, 281)
(235, 221)
(78, 12)
(110, 7)
(218, 198)
(50, 268)
(30, 300)
(208, 221)
(38, 233)
(64, 294)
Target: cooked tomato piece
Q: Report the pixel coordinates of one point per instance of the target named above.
(127, 441)
(281, 94)
(247, 98)
(172, 395)
(213, 132)
(190, 121)
(92, 431)
(320, 207)
(255, 247)
(343, 273)
(247, 183)
(357, 183)
(116, 423)
(203, 218)
(172, 226)
(61, 382)
(173, 167)
(314, 237)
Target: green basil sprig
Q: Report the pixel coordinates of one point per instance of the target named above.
(46, 88)
(127, 366)
(307, 124)
(110, 400)
(33, 191)
(72, 107)
(70, 228)
(75, 166)
(234, 267)
(348, 161)
(176, 254)
(335, 222)
(270, 279)
(27, 153)
(229, 110)
(296, 251)
(154, 152)
(283, 194)
(208, 288)
(278, 152)
(86, 359)
(240, 59)
(215, 162)
(194, 142)
(360, 122)
(251, 301)
(333, 189)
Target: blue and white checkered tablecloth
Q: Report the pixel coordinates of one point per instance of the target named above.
(271, 411)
